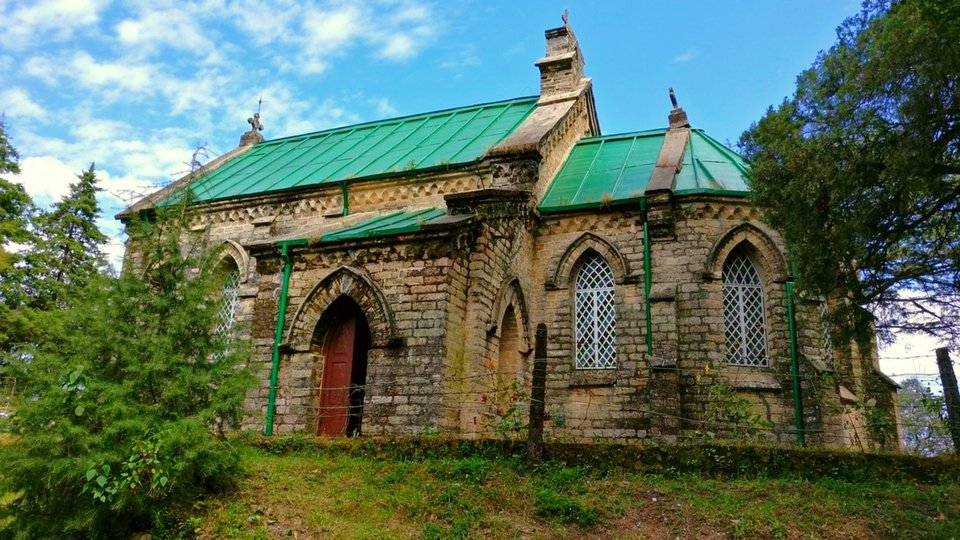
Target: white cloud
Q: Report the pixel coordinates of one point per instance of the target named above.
(398, 47)
(385, 109)
(47, 19)
(395, 31)
(265, 22)
(136, 77)
(332, 30)
(42, 68)
(16, 103)
(685, 57)
(46, 178)
(176, 27)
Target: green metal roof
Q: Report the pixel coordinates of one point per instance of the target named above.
(404, 221)
(710, 167)
(373, 149)
(615, 169)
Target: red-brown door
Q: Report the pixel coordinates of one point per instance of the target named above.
(335, 389)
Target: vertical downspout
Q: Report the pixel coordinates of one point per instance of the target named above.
(794, 364)
(646, 277)
(281, 316)
(345, 195)
(646, 308)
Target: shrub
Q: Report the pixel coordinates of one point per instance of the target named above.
(128, 389)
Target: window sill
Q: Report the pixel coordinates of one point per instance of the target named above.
(593, 377)
(760, 381)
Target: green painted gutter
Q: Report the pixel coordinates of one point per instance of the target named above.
(794, 364)
(278, 337)
(646, 277)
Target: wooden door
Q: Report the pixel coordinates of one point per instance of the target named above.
(335, 388)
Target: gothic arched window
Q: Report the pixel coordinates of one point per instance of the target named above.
(743, 312)
(595, 315)
(229, 299)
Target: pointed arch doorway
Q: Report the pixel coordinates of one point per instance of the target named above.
(343, 336)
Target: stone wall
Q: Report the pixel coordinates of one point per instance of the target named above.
(668, 394)
(407, 289)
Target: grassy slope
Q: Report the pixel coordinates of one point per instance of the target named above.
(332, 494)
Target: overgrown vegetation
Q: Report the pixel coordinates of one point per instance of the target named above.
(923, 415)
(303, 487)
(127, 388)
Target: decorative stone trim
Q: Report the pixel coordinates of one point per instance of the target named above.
(558, 275)
(350, 282)
(235, 251)
(773, 266)
(511, 294)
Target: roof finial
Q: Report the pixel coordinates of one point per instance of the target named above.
(255, 122)
(673, 98)
(253, 136)
(566, 17)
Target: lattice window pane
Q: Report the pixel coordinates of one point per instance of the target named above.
(229, 299)
(743, 312)
(825, 331)
(595, 316)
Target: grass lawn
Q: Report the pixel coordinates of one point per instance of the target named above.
(332, 494)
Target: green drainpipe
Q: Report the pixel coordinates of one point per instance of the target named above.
(646, 307)
(794, 364)
(345, 193)
(646, 277)
(278, 337)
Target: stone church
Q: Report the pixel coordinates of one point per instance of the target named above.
(392, 278)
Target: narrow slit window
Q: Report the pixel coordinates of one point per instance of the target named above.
(743, 312)
(595, 315)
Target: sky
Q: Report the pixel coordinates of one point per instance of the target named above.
(137, 86)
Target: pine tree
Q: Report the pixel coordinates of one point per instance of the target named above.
(16, 212)
(15, 203)
(68, 252)
(129, 387)
(860, 169)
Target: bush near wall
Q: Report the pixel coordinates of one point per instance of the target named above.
(710, 459)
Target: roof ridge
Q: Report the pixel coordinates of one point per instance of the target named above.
(397, 119)
(626, 135)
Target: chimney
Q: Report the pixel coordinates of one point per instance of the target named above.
(561, 70)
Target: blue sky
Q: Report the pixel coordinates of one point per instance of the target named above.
(135, 86)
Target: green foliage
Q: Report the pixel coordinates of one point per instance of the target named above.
(728, 414)
(923, 416)
(860, 169)
(507, 402)
(471, 470)
(15, 204)
(550, 504)
(66, 252)
(126, 404)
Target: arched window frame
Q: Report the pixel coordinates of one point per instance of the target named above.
(746, 339)
(594, 314)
